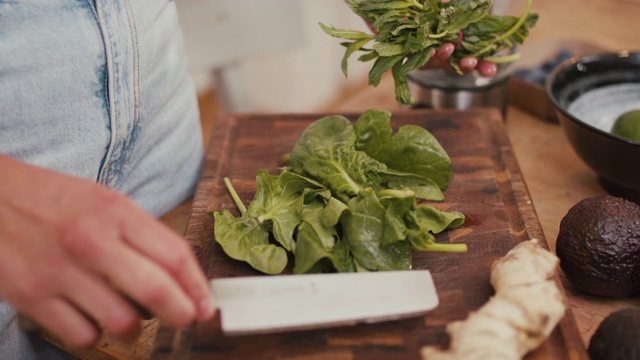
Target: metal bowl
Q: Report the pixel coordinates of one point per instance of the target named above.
(439, 89)
(589, 93)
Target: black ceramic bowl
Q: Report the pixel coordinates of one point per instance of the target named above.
(589, 93)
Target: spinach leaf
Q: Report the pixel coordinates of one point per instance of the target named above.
(426, 221)
(363, 228)
(275, 210)
(423, 188)
(325, 152)
(397, 205)
(319, 246)
(277, 204)
(346, 202)
(245, 240)
(406, 220)
(414, 157)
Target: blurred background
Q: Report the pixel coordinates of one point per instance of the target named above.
(271, 55)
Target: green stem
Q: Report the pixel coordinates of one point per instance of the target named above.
(354, 185)
(394, 193)
(510, 32)
(447, 247)
(503, 59)
(235, 196)
(437, 36)
(417, 4)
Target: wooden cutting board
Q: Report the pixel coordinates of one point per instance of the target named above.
(487, 187)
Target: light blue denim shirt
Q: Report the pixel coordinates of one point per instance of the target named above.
(98, 89)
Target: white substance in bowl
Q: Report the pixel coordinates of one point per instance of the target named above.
(602, 106)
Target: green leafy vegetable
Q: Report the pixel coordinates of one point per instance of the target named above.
(408, 31)
(414, 158)
(348, 201)
(326, 152)
(363, 228)
(242, 238)
(278, 203)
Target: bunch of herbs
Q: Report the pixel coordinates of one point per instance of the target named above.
(407, 32)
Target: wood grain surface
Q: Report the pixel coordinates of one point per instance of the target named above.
(487, 187)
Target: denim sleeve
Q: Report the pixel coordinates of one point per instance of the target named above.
(100, 89)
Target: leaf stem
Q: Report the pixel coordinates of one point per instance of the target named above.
(395, 193)
(417, 4)
(437, 36)
(447, 247)
(508, 33)
(503, 59)
(235, 196)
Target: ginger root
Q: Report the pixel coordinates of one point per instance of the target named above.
(525, 309)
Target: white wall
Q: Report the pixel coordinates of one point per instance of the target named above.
(288, 63)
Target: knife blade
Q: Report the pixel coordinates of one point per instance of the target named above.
(268, 304)
(261, 304)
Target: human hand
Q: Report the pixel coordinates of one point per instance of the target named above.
(74, 255)
(440, 59)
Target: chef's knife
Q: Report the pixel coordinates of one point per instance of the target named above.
(261, 304)
(267, 304)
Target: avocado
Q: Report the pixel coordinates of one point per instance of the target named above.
(598, 246)
(627, 125)
(617, 337)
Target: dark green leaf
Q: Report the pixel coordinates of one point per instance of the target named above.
(403, 92)
(415, 61)
(389, 16)
(368, 56)
(351, 48)
(269, 258)
(245, 240)
(312, 257)
(412, 150)
(346, 34)
(386, 49)
(424, 188)
(278, 201)
(426, 221)
(325, 152)
(458, 14)
(364, 228)
(413, 44)
(374, 5)
(382, 65)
